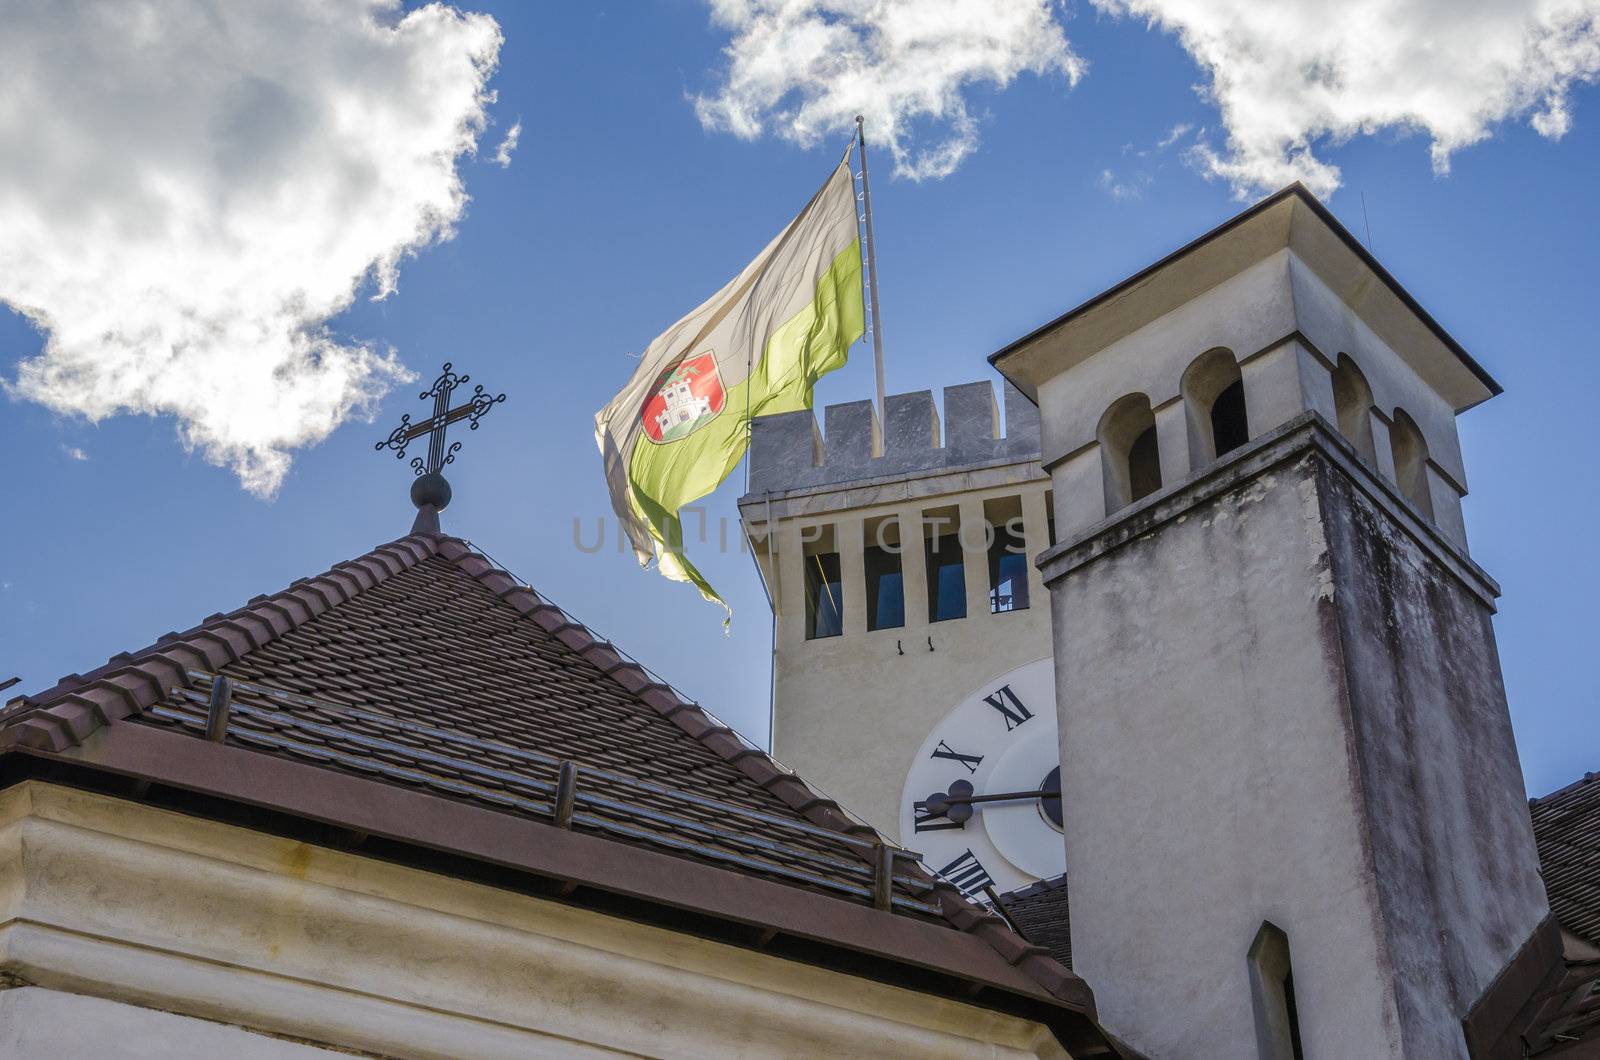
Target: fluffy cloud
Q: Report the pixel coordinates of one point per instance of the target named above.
(189, 191)
(805, 68)
(1289, 74)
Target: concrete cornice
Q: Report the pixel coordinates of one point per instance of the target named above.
(1307, 433)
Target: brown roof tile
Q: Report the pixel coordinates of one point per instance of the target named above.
(1040, 912)
(1566, 826)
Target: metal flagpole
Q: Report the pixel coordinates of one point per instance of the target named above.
(872, 271)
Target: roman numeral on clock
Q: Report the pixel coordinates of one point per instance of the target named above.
(968, 874)
(944, 751)
(1009, 706)
(924, 820)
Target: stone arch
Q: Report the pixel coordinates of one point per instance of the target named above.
(1214, 406)
(1411, 461)
(1129, 456)
(1352, 401)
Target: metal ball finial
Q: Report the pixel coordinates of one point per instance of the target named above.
(431, 488)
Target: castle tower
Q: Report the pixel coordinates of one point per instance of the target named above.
(897, 562)
(1295, 823)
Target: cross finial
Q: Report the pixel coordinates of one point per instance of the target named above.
(430, 488)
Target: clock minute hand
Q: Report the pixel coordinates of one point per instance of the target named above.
(1003, 796)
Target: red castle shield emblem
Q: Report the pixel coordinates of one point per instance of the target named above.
(687, 397)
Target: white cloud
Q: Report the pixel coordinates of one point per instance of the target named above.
(1291, 75)
(803, 69)
(189, 191)
(502, 154)
(72, 452)
(1176, 133)
(1124, 189)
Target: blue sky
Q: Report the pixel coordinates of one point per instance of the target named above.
(620, 211)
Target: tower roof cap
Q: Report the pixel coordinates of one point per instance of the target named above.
(1292, 218)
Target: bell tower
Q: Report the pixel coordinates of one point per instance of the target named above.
(897, 559)
(1294, 818)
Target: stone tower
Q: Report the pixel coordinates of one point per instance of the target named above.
(1295, 822)
(885, 555)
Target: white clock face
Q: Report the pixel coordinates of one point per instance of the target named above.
(998, 749)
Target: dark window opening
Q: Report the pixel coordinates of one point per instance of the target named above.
(886, 601)
(1229, 426)
(824, 596)
(1144, 465)
(1008, 569)
(947, 578)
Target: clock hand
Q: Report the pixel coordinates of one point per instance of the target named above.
(957, 802)
(1006, 796)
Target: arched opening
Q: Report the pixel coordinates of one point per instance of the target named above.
(1272, 995)
(1352, 400)
(1411, 461)
(1229, 430)
(1213, 400)
(1130, 458)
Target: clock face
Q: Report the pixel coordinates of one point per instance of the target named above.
(999, 741)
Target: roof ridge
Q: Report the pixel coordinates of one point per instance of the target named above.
(786, 785)
(78, 704)
(1568, 789)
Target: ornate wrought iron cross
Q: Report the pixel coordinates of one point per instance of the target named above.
(434, 489)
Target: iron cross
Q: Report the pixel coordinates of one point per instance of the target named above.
(473, 409)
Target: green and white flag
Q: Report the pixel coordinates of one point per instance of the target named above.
(755, 348)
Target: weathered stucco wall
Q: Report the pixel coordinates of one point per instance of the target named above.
(1452, 845)
(1279, 702)
(1205, 761)
(151, 909)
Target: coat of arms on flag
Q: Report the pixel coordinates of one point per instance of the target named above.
(687, 395)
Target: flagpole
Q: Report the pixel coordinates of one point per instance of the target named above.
(872, 272)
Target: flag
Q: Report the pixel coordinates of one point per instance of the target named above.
(755, 348)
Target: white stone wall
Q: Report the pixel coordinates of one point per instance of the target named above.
(40, 1024)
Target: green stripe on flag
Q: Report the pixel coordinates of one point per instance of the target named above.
(666, 476)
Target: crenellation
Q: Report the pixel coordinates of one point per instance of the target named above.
(788, 452)
(852, 432)
(783, 447)
(913, 423)
(974, 419)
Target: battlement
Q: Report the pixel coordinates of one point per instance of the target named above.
(788, 452)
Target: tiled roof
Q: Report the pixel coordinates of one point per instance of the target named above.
(423, 665)
(1039, 912)
(1566, 825)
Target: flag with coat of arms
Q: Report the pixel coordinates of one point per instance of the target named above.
(755, 348)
